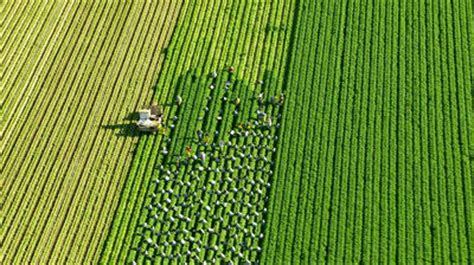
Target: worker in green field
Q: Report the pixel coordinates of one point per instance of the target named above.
(260, 98)
(188, 151)
(178, 100)
(281, 99)
(206, 139)
(199, 134)
(178, 162)
(237, 101)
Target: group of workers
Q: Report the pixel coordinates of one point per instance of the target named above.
(246, 157)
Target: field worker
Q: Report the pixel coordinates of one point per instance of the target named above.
(231, 69)
(260, 82)
(212, 86)
(272, 100)
(214, 74)
(179, 100)
(199, 134)
(188, 151)
(178, 161)
(260, 98)
(163, 130)
(206, 138)
(282, 99)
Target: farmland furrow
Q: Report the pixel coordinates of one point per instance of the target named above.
(54, 44)
(6, 8)
(368, 251)
(12, 29)
(31, 82)
(19, 190)
(298, 234)
(79, 129)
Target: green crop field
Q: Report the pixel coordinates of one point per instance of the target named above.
(293, 132)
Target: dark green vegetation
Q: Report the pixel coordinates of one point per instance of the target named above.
(373, 161)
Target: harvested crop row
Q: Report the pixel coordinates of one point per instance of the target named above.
(72, 159)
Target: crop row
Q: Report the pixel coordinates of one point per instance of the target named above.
(377, 165)
(79, 152)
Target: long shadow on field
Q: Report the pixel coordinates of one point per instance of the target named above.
(124, 129)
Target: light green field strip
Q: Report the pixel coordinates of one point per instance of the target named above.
(41, 193)
(375, 157)
(70, 169)
(105, 59)
(7, 7)
(17, 22)
(21, 56)
(25, 69)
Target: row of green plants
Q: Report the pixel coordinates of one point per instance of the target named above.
(379, 171)
(82, 139)
(75, 142)
(25, 190)
(109, 154)
(183, 117)
(27, 59)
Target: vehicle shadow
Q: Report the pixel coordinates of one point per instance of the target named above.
(128, 129)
